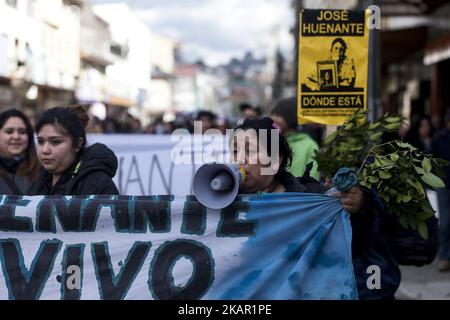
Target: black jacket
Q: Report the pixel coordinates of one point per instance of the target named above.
(440, 148)
(94, 176)
(378, 239)
(10, 181)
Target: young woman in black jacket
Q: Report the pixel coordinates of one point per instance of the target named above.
(18, 161)
(71, 168)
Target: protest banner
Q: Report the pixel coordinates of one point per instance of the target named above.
(270, 246)
(333, 65)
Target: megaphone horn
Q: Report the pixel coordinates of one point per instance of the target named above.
(216, 185)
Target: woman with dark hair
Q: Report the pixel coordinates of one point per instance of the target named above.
(376, 234)
(421, 133)
(18, 161)
(71, 168)
(281, 180)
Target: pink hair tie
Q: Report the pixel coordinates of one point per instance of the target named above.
(275, 126)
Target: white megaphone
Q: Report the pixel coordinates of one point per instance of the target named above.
(216, 185)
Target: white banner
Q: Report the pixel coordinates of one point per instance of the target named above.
(146, 162)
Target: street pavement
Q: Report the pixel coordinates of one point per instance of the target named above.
(424, 283)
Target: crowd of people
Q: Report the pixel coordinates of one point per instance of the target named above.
(60, 163)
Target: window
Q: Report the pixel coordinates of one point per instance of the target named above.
(12, 3)
(119, 50)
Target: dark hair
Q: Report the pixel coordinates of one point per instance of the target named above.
(205, 113)
(80, 110)
(268, 124)
(30, 166)
(413, 136)
(244, 106)
(341, 41)
(66, 119)
(287, 109)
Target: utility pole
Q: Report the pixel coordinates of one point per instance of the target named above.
(297, 4)
(374, 77)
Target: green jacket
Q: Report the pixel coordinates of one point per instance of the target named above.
(304, 148)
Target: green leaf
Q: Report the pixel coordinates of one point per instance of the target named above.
(419, 170)
(406, 198)
(392, 126)
(374, 125)
(373, 179)
(394, 156)
(433, 180)
(424, 215)
(393, 119)
(331, 137)
(384, 175)
(403, 221)
(422, 228)
(405, 145)
(385, 197)
(349, 126)
(411, 221)
(427, 207)
(376, 136)
(420, 189)
(426, 164)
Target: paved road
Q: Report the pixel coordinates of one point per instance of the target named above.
(424, 283)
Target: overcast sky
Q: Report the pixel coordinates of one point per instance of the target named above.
(216, 30)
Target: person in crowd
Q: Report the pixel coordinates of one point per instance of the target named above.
(377, 236)
(110, 126)
(420, 134)
(223, 124)
(250, 112)
(207, 119)
(94, 126)
(135, 125)
(284, 114)
(18, 161)
(440, 148)
(69, 167)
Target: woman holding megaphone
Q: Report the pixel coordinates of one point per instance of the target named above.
(272, 176)
(375, 231)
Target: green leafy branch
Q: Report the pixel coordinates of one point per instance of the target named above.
(349, 145)
(398, 172)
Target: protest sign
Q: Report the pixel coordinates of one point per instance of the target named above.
(333, 65)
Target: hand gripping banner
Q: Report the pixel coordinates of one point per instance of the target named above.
(271, 246)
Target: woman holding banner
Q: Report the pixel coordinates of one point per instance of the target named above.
(18, 162)
(378, 239)
(71, 168)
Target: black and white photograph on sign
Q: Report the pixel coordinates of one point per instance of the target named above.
(336, 73)
(326, 71)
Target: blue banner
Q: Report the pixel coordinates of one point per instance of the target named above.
(269, 246)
